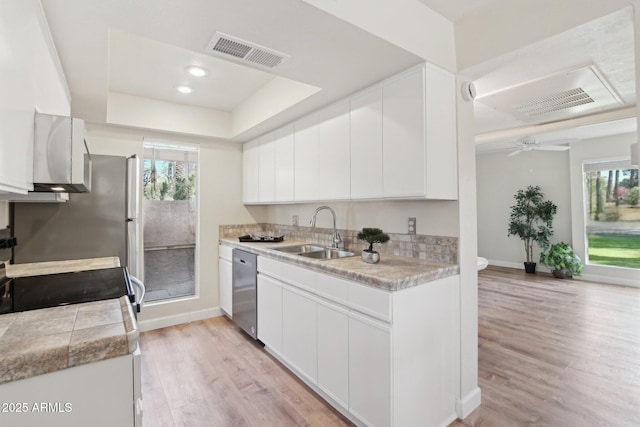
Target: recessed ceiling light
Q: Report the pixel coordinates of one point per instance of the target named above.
(196, 71)
(184, 89)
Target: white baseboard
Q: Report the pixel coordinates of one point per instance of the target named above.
(178, 319)
(468, 403)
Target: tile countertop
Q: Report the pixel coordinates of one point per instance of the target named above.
(392, 273)
(37, 342)
(54, 267)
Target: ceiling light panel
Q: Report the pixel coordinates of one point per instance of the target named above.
(554, 97)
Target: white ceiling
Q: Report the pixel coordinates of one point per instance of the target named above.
(153, 40)
(607, 43)
(142, 47)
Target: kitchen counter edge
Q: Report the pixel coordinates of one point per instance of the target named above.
(392, 273)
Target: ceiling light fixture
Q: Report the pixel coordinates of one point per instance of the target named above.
(196, 71)
(184, 89)
(57, 188)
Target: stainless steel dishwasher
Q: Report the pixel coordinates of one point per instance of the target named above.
(244, 294)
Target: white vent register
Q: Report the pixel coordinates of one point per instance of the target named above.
(230, 47)
(579, 91)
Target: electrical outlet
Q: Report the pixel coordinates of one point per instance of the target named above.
(412, 226)
(294, 220)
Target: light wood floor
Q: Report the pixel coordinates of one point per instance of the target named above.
(551, 353)
(556, 352)
(208, 374)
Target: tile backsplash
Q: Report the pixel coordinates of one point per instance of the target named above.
(434, 248)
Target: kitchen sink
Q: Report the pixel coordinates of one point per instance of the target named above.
(327, 253)
(299, 249)
(314, 251)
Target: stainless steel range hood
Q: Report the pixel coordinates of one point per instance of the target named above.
(62, 162)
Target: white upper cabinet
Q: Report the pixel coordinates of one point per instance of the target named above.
(284, 161)
(394, 140)
(442, 149)
(306, 158)
(31, 79)
(334, 152)
(403, 147)
(251, 172)
(366, 144)
(266, 171)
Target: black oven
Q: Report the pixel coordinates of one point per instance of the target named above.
(51, 290)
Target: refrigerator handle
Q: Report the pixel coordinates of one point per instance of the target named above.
(141, 291)
(133, 186)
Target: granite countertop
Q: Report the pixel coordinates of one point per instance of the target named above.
(37, 342)
(392, 273)
(54, 267)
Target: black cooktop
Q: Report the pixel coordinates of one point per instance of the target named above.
(34, 292)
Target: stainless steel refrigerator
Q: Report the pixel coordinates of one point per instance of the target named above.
(101, 223)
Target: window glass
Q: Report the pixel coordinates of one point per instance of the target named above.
(612, 214)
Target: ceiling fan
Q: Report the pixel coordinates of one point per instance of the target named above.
(530, 143)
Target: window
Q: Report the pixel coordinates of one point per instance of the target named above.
(170, 212)
(612, 214)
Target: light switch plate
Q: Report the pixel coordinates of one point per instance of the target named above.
(294, 220)
(412, 226)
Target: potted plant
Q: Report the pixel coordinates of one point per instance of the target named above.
(531, 220)
(562, 261)
(371, 236)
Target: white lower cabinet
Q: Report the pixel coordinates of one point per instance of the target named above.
(369, 370)
(299, 332)
(333, 352)
(381, 358)
(225, 279)
(270, 312)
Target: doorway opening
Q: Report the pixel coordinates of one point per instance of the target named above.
(170, 211)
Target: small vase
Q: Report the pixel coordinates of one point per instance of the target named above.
(530, 267)
(370, 257)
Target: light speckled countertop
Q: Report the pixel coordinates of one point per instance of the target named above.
(54, 267)
(37, 342)
(392, 273)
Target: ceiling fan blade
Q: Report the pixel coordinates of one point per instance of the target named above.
(514, 153)
(551, 147)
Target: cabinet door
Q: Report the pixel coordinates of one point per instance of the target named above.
(441, 141)
(369, 370)
(250, 172)
(366, 144)
(284, 154)
(333, 352)
(334, 152)
(266, 171)
(270, 312)
(225, 281)
(299, 332)
(306, 158)
(403, 122)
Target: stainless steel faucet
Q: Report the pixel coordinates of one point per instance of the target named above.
(337, 241)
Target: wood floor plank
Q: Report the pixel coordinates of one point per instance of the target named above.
(551, 353)
(209, 373)
(556, 352)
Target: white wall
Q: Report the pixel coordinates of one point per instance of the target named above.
(498, 179)
(612, 147)
(433, 217)
(220, 199)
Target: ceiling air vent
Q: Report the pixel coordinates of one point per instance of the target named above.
(557, 96)
(229, 47)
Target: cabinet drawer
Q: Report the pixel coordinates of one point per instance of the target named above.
(370, 301)
(270, 267)
(299, 276)
(333, 288)
(225, 252)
